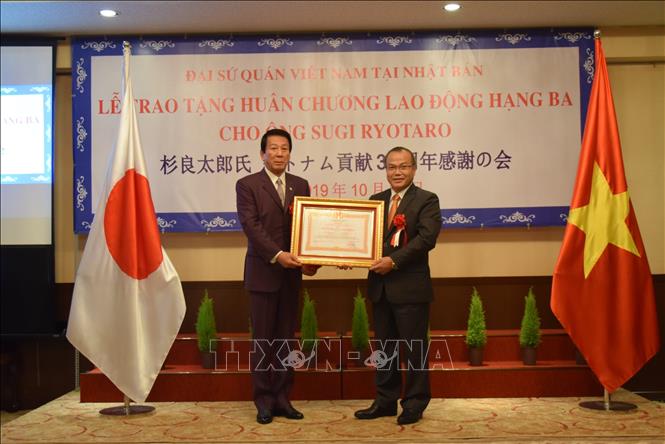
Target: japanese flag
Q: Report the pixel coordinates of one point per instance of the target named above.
(128, 303)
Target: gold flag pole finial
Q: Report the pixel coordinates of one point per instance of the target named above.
(596, 34)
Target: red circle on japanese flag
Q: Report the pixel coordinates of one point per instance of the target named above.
(130, 227)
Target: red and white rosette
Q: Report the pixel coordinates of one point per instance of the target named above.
(400, 223)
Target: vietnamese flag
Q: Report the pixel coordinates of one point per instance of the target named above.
(602, 288)
(128, 303)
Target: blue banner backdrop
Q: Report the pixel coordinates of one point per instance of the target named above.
(495, 118)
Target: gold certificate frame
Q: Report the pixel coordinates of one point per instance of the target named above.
(337, 231)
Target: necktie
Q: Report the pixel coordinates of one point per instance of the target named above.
(393, 208)
(280, 190)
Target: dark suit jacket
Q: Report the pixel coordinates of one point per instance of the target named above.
(410, 282)
(267, 225)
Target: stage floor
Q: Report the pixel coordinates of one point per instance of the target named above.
(505, 420)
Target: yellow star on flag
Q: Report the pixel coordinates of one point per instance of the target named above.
(603, 221)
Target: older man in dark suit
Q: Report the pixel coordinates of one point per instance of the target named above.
(272, 274)
(400, 288)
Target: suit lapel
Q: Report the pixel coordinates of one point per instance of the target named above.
(406, 201)
(401, 208)
(386, 211)
(270, 189)
(289, 191)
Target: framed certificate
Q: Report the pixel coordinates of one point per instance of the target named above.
(337, 231)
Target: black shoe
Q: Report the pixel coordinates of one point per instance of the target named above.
(376, 411)
(264, 416)
(409, 417)
(289, 412)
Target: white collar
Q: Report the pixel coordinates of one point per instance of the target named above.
(273, 177)
(401, 193)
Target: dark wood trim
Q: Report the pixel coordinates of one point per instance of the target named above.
(503, 299)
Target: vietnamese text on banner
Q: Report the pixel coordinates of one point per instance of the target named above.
(494, 117)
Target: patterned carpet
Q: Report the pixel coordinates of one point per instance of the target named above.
(504, 420)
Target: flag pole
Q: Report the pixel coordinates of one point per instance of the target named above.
(600, 144)
(608, 405)
(126, 409)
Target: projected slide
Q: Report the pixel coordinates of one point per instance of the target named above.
(26, 134)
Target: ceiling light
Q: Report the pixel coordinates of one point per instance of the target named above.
(110, 13)
(450, 7)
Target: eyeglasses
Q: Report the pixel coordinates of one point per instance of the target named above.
(401, 168)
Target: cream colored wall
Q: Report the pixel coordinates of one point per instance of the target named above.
(641, 124)
(636, 59)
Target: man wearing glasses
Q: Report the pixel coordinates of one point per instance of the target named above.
(400, 287)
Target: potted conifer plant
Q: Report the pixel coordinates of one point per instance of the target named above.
(206, 331)
(308, 325)
(360, 326)
(530, 329)
(476, 334)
